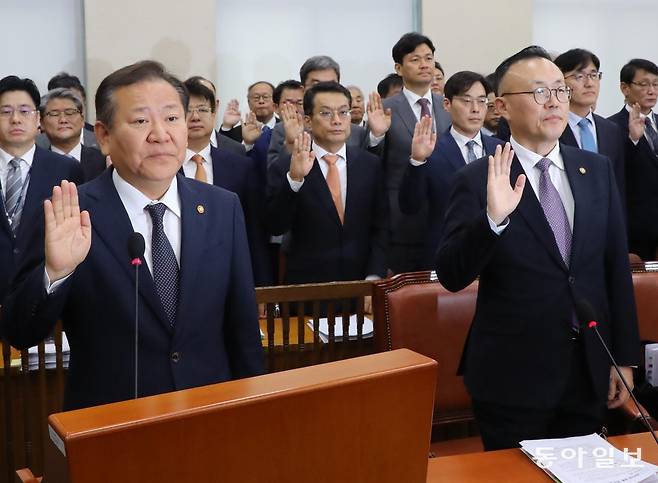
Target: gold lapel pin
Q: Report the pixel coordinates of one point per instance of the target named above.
(200, 209)
(582, 170)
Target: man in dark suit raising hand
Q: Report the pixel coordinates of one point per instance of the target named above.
(540, 224)
(197, 307)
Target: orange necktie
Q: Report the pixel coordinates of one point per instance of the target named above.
(333, 181)
(200, 174)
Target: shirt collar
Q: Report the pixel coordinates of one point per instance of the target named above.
(650, 115)
(271, 123)
(27, 157)
(574, 119)
(205, 153)
(135, 201)
(76, 152)
(529, 159)
(213, 138)
(462, 140)
(412, 97)
(320, 151)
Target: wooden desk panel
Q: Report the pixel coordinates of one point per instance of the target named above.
(512, 466)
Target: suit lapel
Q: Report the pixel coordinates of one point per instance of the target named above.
(582, 202)
(569, 138)
(112, 224)
(406, 113)
(37, 189)
(319, 185)
(218, 173)
(530, 209)
(452, 152)
(489, 144)
(194, 222)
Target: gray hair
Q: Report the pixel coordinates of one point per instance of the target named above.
(318, 62)
(60, 93)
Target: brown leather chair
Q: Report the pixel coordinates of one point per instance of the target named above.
(413, 310)
(645, 285)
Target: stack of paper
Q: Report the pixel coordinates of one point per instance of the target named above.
(323, 326)
(50, 354)
(589, 459)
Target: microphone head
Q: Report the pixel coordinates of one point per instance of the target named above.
(585, 312)
(136, 246)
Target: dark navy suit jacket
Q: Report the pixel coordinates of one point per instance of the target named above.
(48, 169)
(215, 337)
(239, 174)
(431, 184)
(521, 331)
(642, 181)
(320, 248)
(610, 142)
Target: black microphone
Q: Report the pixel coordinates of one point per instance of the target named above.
(587, 316)
(136, 250)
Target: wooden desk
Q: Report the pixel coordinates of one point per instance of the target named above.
(512, 466)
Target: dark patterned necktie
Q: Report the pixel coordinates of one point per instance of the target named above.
(13, 194)
(424, 107)
(165, 266)
(651, 134)
(556, 215)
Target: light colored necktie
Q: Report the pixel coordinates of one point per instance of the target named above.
(333, 181)
(14, 188)
(471, 156)
(200, 174)
(586, 138)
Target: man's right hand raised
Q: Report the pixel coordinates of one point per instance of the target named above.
(302, 158)
(502, 199)
(68, 232)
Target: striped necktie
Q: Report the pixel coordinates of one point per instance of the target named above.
(13, 193)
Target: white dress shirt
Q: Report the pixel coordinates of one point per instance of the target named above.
(413, 98)
(75, 153)
(213, 138)
(462, 140)
(574, 119)
(135, 203)
(556, 171)
(25, 165)
(341, 164)
(189, 166)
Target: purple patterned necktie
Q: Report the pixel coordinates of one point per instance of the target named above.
(424, 107)
(554, 210)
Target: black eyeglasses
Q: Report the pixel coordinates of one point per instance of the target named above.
(543, 94)
(580, 77)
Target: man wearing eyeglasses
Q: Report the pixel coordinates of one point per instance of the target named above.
(540, 224)
(428, 178)
(260, 100)
(62, 121)
(587, 130)
(227, 170)
(639, 84)
(329, 196)
(27, 173)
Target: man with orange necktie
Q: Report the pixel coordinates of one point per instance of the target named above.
(227, 170)
(329, 196)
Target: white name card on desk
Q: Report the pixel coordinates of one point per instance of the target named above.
(323, 328)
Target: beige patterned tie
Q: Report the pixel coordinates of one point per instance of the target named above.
(200, 174)
(333, 181)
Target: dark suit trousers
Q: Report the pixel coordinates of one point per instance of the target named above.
(578, 413)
